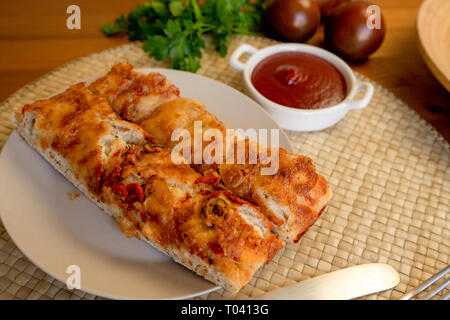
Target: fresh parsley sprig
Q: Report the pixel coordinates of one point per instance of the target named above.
(172, 30)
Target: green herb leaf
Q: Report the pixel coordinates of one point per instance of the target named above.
(120, 25)
(159, 8)
(176, 8)
(156, 46)
(173, 30)
(197, 10)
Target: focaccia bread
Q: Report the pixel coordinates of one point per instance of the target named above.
(189, 217)
(292, 198)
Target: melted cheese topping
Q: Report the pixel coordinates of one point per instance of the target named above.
(199, 218)
(130, 93)
(292, 198)
(171, 204)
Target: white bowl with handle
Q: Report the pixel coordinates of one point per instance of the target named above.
(302, 119)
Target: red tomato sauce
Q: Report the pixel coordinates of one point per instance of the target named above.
(299, 80)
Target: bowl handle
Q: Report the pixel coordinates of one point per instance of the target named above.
(235, 56)
(362, 103)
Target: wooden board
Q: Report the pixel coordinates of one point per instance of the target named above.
(433, 29)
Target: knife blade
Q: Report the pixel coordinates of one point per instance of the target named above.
(348, 283)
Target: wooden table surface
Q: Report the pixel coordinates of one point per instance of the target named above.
(34, 40)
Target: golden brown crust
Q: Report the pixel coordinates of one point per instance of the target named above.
(296, 186)
(178, 113)
(202, 220)
(70, 125)
(292, 198)
(130, 93)
(169, 204)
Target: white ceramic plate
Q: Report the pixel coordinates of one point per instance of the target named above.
(55, 232)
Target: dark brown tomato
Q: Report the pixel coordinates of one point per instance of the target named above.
(292, 20)
(347, 32)
(327, 6)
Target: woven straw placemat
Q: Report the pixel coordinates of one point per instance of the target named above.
(388, 170)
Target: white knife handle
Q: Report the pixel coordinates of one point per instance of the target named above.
(348, 283)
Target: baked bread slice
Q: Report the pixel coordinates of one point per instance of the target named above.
(189, 217)
(292, 198)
